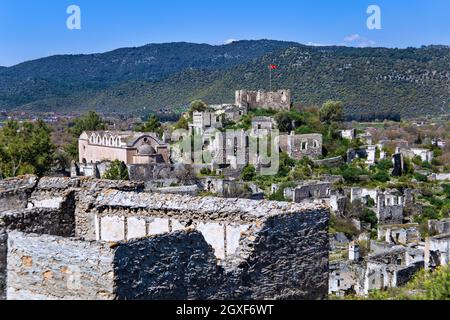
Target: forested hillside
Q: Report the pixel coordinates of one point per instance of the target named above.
(408, 82)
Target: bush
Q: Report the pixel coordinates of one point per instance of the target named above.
(369, 216)
(332, 111)
(381, 176)
(344, 226)
(420, 177)
(384, 165)
(117, 171)
(248, 173)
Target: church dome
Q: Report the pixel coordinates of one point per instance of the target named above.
(146, 149)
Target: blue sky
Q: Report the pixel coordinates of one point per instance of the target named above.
(32, 29)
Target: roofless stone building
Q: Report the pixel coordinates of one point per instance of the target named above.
(83, 238)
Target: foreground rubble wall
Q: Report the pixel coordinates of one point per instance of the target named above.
(288, 259)
(48, 268)
(42, 267)
(15, 192)
(269, 250)
(137, 245)
(175, 266)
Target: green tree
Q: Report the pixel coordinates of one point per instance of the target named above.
(368, 216)
(25, 149)
(248, 173)
(284, 121)
(152, 125)
(332, 111)
(90, 121)
(381, 176)
(183, 123)
(197, 106)
(117, 171)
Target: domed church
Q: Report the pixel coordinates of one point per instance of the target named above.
(128, 147)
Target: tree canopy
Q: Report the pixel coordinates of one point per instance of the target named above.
(25, 149)
(332, 111)
(117, 171)
(152, 125)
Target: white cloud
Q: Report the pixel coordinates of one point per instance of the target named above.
(352, 38)
(358, 41)
(228, 41)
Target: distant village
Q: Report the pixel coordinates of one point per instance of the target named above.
(387, 199)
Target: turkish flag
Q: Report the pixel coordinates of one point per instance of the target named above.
(273, 67)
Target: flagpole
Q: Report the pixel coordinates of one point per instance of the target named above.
(270, 78)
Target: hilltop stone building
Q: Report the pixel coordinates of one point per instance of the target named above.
(275, 100)
(128, 147)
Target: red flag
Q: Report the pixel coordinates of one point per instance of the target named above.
(273, 67)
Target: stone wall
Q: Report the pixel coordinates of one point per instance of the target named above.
(191, 247)
(47, 267)
(312, 190)
(276, 100)
(439, 226)
(300, 146)
(330, 162)
(191, 274)
(15, 192)
(288, 259)
(3, 255)
(40, 221)
(390, 214)
(273, 244)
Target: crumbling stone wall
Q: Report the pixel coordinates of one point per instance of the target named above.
(213, 248)
(265, 247)
(3, 255)
(14, 192)
(191, 274)
(300, 146)
(275, 262)
(439, 227)
(47, 267)
(312, 190)
(40, 221)
(276, 100)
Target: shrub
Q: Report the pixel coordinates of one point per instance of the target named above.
(117, 171)
(248, 173)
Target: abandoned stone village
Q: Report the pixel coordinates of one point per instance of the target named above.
(180, 229)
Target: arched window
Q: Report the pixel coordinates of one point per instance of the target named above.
(304, 145)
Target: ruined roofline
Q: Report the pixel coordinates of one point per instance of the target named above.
(18, 183)
(445, 236)
(398, 226)
(203, 205)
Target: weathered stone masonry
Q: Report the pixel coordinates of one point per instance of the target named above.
(134, 245)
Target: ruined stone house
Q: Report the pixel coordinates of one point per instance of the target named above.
(82, 238)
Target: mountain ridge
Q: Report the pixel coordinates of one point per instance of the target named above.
(142, 79)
